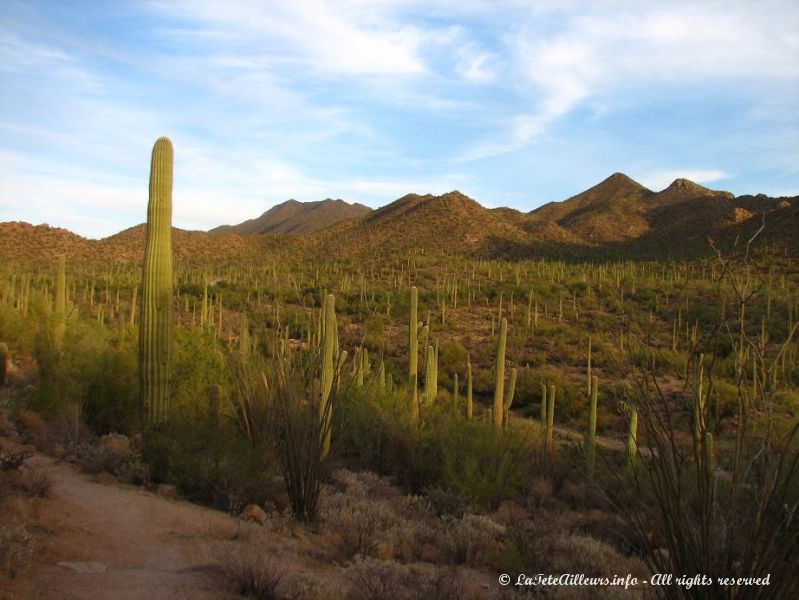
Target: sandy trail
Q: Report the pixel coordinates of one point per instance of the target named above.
(152, 547)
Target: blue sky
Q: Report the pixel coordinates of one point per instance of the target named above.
(514, 103)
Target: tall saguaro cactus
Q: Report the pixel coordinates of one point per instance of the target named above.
(155, 328)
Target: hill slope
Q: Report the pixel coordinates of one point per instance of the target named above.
(297, 217)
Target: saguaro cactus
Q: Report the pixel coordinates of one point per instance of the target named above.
(155, 329)
(499, 382)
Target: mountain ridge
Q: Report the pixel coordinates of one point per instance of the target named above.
(616, 217)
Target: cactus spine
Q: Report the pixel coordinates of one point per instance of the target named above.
(499, 382)
(590, 446)
(155, 329)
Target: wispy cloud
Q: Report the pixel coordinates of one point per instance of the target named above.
(371, 99)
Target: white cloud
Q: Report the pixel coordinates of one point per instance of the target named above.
(661, 179)
(606, 53)
(328, 37)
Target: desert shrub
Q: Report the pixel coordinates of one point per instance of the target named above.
(444, 452)
(40, 484)
(32, 427)
(198, 364)
(217, 467)
(376, 579)
(307, 586)
(112, 398)
(358, 523)
(66, 374)
(466, 533)
(115, 454)
(250, 572)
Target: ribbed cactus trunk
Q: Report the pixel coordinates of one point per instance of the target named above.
(499, 381)
(155, 329)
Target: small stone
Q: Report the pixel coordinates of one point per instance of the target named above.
(166, 490)
(254, 513)
(83, 567)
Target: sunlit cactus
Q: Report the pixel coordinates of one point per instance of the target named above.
(155, 329)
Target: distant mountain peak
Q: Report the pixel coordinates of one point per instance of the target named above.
(293, 216)
(682, 187)
(686, 184)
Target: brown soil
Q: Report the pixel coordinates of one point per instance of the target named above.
(150, 546)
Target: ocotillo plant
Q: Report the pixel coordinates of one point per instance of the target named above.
(632, 439)
(543, 406)
(509, 399)
(3, 363)
(699, 399)
(589, 365)
(469, 397)
(590, 443)
(155, 329)
(499, 382)
(328, 371)
(550, 436)
(430, 384)
(413, 353)
(60, 303)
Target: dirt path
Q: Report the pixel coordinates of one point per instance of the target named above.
(150, 547)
